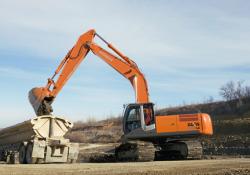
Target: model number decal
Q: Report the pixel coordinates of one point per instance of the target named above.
(194, 124)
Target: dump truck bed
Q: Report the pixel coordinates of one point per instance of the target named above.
(40, 138)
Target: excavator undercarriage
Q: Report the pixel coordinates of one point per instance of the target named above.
(143, 151)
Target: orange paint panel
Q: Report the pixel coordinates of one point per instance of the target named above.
(189, 122)
(184, 123)
(207, 124)
(166, 124)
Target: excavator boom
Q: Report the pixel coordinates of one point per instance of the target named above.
(41, 98)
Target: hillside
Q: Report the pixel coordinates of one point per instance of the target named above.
(231, 122)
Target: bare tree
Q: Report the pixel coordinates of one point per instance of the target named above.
(209, 99)
(227, 91)
(239, 91)
(233, 91)
(247, 91)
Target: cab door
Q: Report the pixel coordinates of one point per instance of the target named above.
(131, 118)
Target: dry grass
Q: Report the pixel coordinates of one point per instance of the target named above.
(105, 131)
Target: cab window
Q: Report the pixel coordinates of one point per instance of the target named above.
(148, 114)
(133, 118)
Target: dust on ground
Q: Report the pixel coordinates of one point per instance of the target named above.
(233, 166)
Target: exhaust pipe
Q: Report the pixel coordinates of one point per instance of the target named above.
(41, 101)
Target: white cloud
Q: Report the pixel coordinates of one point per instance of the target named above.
(170, 41)
(154, 33)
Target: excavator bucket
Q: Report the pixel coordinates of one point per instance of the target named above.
(41, 101)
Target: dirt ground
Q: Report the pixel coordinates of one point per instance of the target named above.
(190, 167)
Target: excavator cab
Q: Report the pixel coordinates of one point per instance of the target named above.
(138, 116)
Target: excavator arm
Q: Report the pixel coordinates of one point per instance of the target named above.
(42, 98)
(128, 69)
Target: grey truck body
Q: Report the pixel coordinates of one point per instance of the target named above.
(38, 140)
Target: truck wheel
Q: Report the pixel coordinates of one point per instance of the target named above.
(22, 153)
(71, 161)
(39, 161)
(14, 157)
(29, 158)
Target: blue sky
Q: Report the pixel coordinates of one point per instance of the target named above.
(186, 49)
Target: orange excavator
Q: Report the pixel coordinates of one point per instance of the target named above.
(146, 136)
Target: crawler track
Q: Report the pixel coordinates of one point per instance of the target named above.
(194, 150)
(179, 150)
(138, 151)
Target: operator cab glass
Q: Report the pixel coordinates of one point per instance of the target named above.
(134, 113)
(132, 118)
